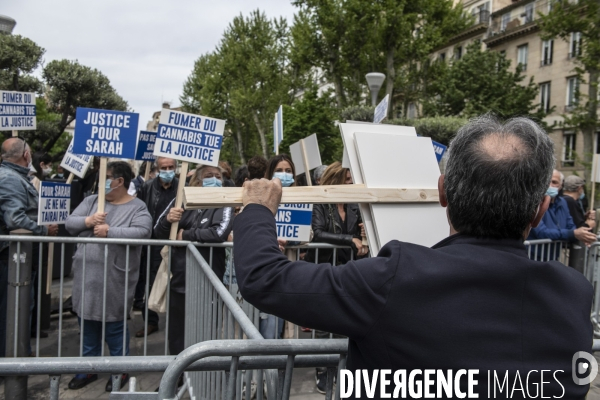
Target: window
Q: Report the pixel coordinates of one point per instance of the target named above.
(442, 57)
(458, 52)
(528, 13)
(522, 56)
(568, 153)
(545, 96)
(505, 21)
(572, 92)
(547, 52)
(575, 45)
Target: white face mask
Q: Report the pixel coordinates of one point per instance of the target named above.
(46, 171)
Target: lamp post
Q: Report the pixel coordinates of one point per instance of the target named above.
(375, 81)
(7, 24)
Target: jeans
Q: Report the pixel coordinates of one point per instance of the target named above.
(92, 338)
(270, 325)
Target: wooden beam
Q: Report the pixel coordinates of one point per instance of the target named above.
(199, 197)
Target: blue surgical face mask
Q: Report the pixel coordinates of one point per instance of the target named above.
(286, 178)
(552, 192)
(582, 196)
(108, 188)
(211, 182)
(166, 176)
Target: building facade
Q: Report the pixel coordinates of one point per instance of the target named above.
(511, 28)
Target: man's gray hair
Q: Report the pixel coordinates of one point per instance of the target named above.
(13, 150)
(319, 171)
(496, 176)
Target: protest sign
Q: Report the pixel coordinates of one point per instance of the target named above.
(293, 222)
(278, 130)
(313, 155)
(145, 146)
(17, 111)
(381, 110)
(77, 164)
(439, 150)
(54, 203)
(189, 137)
(105, 133)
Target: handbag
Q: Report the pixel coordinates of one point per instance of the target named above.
(157, 301)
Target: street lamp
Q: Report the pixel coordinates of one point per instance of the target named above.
(7, 24)
(375, 81)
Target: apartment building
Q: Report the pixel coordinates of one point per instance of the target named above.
(511, 27)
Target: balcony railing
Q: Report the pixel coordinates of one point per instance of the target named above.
(482, 17)
(517, 17)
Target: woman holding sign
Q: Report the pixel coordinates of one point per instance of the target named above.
(125, 217)
(211, 225)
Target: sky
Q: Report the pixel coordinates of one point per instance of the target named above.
(146, 48)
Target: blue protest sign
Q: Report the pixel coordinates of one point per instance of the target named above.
(54, 203)
(105, 133)
(17, 111)
(439, 150)
(189, 137)
(145, 146)
(293, 222)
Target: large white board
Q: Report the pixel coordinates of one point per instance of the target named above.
(351, 161)
(400, 161)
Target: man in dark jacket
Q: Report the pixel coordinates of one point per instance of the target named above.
(157, 193)
(474, 301)
(18, 210)
(211, 225)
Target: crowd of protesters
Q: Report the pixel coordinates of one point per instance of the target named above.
(137, 208)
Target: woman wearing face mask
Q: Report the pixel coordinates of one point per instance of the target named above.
(282, 167)
(42, 163)
(211, 225)
(125, 217)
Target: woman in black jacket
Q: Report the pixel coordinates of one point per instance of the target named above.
(211, 225)
(339, 224)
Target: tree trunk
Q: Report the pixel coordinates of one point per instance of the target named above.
(62, 125)
(261, 133)
(391, 78)
(238, 142)
(340, 96)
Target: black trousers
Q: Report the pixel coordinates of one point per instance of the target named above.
(176, 322)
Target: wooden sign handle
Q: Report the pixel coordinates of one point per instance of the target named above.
(179, 199)
(305, 161)
(102, 185)
(594, 177)
(147, 172)
(15, 133)
(70, 178)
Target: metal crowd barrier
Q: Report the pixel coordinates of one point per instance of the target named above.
(225, 357)
(212, 312)
(548, 250)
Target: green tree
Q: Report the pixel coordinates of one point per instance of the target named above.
(480, 82)
(583, 18)
(313, 114)
(71, 85)
(19, 57)
(244, 81)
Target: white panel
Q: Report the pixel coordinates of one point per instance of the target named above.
(398, 161)
(351, 161)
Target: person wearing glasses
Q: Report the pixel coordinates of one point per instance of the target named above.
(125, 217)
(18, 210)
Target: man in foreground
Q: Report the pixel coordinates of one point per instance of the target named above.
(472, 302)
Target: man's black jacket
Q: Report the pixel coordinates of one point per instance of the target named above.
(150, 193)
(465, 303)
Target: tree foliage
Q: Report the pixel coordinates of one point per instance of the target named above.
(71, 85)
(19, 57)
(480, 82)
